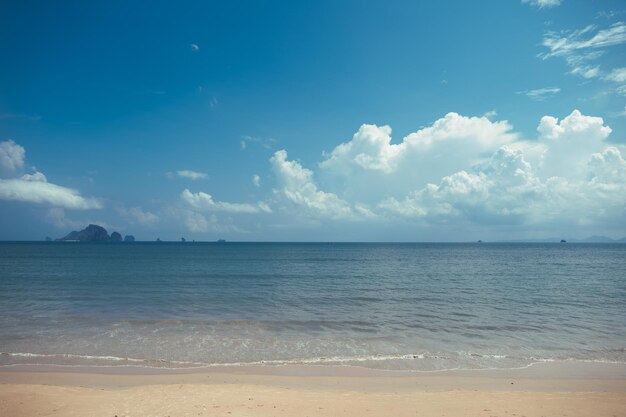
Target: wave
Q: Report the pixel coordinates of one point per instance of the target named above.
(77, 360)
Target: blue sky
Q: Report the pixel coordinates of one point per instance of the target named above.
(267, 120)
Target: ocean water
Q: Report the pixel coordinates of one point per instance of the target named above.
(388, 306)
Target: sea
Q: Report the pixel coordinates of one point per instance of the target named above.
(396, 306)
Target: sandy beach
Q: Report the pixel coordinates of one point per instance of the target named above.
(547, 390)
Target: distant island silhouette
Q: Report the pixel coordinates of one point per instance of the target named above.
(95, 233)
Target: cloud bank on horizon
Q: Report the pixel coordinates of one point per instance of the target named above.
(464, 170)
(457, 172)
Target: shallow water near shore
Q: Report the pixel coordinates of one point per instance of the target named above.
(381, 306)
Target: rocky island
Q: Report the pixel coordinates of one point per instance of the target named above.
(94, 233)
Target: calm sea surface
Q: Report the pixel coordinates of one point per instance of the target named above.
(391, 306)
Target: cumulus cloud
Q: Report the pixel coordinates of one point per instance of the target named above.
(540, 94)
(608, 167)
(567, 175)
(256, 180)
(574, 127)
(508, 191)
(567, 143)
(542, 3)
(371, 161)
(11, 156)
(185, 173)
(296, 186)
(204, 201)
(35, 189)
(36, 176)
(371, 147)
(488, 195)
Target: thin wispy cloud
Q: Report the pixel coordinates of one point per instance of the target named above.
(542, 3)
(203, 201)
(563, 44)
(188, 174)
(267, 143)
(582, 49)
(617, 75)
(540, 94)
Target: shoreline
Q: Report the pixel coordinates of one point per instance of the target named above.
(313, 390)
(542, 371)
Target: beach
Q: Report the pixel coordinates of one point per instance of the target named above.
(543, 390)
(312, 330)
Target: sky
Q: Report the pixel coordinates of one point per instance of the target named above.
(314, 121)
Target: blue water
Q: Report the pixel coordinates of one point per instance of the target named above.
(390, 306)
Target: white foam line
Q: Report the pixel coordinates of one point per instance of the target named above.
(338, 360)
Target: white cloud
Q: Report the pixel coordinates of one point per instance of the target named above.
(617, 75)
(185, 173)
(36, 176)
(508, 191)
(371, 161)
(197, 223)
(137, 215)
(35, 189)
(580, 40)
(568, 175)
(581, 47)
(587, 71)
(204, 201)
(11, 156)
(266, 143)
(540, 94)
(542, 3)
(256, 180)
(574, 127)
(371, 148)
(484, 196)
(490, 114)
(608, 167)
(296, 185)
(194, 47)
(568, 143)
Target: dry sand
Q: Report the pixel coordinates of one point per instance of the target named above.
(310, 391)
